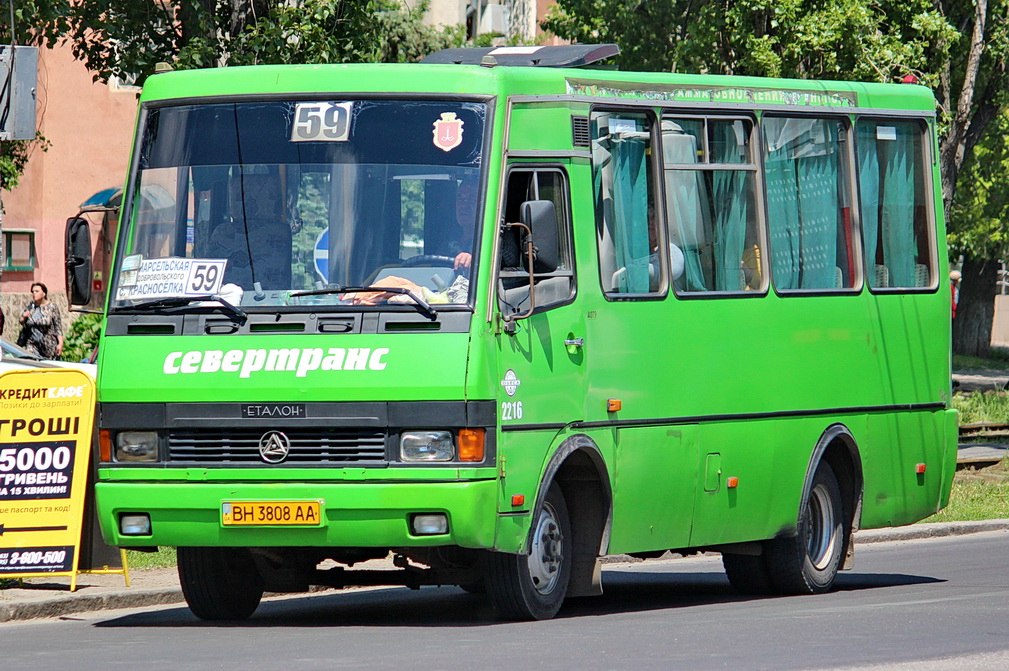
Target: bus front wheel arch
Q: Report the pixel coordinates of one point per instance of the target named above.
(533, 586)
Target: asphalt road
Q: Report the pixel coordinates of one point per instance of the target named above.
(923, 604)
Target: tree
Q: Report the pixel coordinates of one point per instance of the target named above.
(959, 49)
(127, 39)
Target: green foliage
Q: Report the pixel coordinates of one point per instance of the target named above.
(982, 406)
(983, 198)
(335, 31)
(115, 38)
(82, 337)
(14, 155)
(836, 39)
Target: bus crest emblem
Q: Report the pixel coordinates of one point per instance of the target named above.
(510, 382)
(447, 132)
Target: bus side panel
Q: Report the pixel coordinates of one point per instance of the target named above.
(522, 457)
(895, 493)
(769, 458)
(653, 492)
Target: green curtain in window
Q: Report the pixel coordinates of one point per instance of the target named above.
(781, 175)
(686, 195)
(802, 201)
(818, 203)
(868, 180)
(731, 213)
(630, 211)
(899, 245)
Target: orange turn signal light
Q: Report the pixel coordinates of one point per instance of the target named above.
(518, 500)
(920, 469)
(471, 442)
(732, 482)
(105, 445)
(613, 404)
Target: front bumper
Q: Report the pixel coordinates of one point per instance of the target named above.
(353, 514)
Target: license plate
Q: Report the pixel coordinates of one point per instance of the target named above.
(271, 513)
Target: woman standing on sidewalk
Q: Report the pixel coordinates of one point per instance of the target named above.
(41, 320)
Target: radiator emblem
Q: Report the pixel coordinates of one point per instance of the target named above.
(274, 447)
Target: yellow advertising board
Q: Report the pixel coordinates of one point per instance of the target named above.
(45, 444)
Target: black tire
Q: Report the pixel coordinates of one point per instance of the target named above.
(807, 563)
(748, 574)
(478, 587)
(220, 583)
(533, 586)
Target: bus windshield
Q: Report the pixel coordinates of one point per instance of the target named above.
(259, 202)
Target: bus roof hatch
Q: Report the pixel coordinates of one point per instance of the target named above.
(567, 56)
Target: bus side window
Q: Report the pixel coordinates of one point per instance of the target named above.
(895, 225)
(806, 168)
(554, 287)
(710, 179)
(629, 259)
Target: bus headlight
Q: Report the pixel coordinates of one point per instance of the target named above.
(137, 446)
(426, 446)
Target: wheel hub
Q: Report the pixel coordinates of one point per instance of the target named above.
(547, 552)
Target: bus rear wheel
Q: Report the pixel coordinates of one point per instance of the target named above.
(808, 562)
(533, 586)
(220, 583)
(748, 574)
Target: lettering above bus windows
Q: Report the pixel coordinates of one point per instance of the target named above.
(712, 94)
(321, 122)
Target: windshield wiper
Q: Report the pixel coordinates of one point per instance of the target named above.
(179, 301)
(420, 302)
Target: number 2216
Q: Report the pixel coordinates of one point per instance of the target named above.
(511, 410)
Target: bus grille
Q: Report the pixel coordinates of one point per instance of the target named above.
(308, 446)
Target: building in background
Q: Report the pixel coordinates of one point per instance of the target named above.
(511, 19)
(90, 130)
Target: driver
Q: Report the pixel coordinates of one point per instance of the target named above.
(465, 215)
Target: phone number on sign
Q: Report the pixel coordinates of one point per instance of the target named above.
(37, 557)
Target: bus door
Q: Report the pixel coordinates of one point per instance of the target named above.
(636, 348)
(540, 358)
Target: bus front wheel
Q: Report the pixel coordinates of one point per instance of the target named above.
(220, 583)
(807, 563)
(533, 586)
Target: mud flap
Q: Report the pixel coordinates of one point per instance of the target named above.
(586, 577)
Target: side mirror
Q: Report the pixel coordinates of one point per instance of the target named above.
(78, 250)
(541, 217)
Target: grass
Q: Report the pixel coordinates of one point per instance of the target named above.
(982, 406)
(998, 360)
(978, 494)
(164, 557)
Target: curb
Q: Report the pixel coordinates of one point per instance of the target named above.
(930, 530)
(64, 605)
(126, 598)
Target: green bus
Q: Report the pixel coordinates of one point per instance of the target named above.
(499, 314)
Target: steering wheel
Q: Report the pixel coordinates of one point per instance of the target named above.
(428, 260)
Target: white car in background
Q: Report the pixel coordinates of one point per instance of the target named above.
(18, 358)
